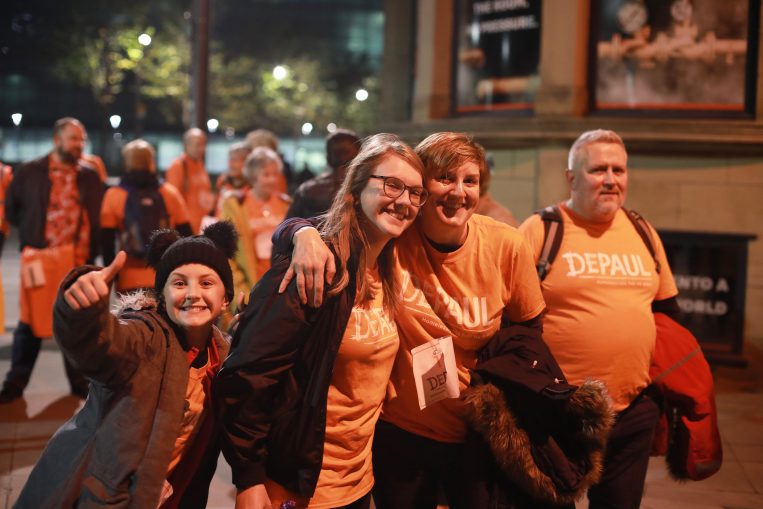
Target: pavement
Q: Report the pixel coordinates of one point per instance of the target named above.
(27, 424)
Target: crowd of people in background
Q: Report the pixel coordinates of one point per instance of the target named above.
(390, 342)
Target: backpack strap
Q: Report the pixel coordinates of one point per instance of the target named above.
(641, 226)
(553, 231)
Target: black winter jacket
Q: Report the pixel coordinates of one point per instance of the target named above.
(314, 197)
(539, 442)
(26, 204)
(273, 387)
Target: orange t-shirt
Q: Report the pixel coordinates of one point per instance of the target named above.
(190, 177)
(461, 294)
(264, 216)
(135, 273)
(96, 163)
(356, 393)
(599, 293)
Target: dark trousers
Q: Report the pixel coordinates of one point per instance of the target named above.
(24, 353)
(410, 470)
(627, 457)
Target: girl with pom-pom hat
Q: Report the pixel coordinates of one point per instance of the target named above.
(146, 436)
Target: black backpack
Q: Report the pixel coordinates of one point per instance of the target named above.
(553, 230)
(145, 212)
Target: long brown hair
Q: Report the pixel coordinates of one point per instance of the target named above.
(341, 227)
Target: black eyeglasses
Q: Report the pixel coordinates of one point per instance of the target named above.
(394, 188)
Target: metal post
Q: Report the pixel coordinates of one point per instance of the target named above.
(200, 63)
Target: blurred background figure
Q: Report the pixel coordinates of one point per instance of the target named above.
(314, 197)
(189, 175)
(266, 138)
(255, 214)
(131, 211)
(55, 203)
(233, 180)
(5, 180)
(96, 163)
(488, 206)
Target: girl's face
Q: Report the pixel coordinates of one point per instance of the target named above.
(386, 218)
(266, 179)
(453, 198)
(194, 296)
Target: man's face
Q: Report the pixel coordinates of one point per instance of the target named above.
(69, 143)
(598, 187)
(196, 146)
(342, 152)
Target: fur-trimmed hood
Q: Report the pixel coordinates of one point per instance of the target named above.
(556, 463)
(139, 300)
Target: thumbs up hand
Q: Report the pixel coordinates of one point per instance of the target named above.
(90, 288)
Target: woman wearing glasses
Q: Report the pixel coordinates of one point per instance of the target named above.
(461, 274)
(302, 388)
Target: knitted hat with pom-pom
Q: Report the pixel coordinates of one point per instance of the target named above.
(167, 251)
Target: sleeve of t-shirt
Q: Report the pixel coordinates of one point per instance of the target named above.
(176, 207)
(110, 216)
(532, 229)
(667, 287)
(525, 300)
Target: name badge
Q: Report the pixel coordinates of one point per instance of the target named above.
(434, 370)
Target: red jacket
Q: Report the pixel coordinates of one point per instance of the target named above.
(688, 431)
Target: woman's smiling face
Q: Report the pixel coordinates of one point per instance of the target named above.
(453, 198)
(387, 218)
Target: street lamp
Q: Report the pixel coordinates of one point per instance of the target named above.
(331, 127)
(16, 119)
(115, 120)
(212, 125)
(361, 95)
(140, 109)
(307, 128)
(279, 72)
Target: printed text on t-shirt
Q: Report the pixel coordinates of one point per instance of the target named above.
(470, 313)
(609, 265)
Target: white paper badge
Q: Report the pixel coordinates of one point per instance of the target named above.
(434, 369)
(32, 274)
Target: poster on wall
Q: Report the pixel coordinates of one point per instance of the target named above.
(671, 54)
(497, 54)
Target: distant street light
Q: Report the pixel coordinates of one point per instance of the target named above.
(115, 120)
(279, 72)
(331, 127)
(361, 94)
(16, 119)
(144, 39)
(212, 125)
(307, 128)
